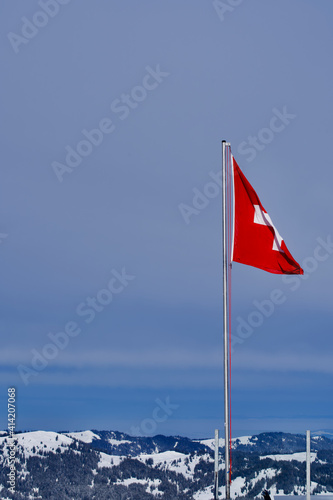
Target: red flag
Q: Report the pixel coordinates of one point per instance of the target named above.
(257, 242)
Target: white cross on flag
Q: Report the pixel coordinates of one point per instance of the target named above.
(256, 240)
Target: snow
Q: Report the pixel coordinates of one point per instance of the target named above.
(237, 484)
(165, 456)
(323, 495)
(242, 440)
(169, 460)
(89, 436)
(151, 485)
(117, 442)
(109, 460)
(245, 440)
(206, 494)
(207, 442)
(41, 440)
(300, 457)
(175, 461)
(131, 480)
(84, 436)
(264, 474)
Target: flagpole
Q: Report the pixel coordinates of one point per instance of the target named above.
(225, 320)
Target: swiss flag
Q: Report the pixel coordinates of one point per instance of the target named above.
(256, 241)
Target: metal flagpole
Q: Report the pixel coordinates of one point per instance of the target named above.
(216, 466)
(308, 462)
(225, 319)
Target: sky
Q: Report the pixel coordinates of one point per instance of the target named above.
(112, 116)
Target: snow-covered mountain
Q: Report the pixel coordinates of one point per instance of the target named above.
(112, 465)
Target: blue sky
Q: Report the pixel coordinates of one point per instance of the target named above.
(164, 83)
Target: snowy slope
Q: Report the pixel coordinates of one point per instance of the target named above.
(300, 457)
(155, 466)
(85, 436)
(176, 462)
(39, 440)
(237, 441)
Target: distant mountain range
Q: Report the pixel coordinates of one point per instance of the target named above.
(324, 433)
(112, 465)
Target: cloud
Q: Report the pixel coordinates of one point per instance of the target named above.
(319, 362)
(149, 358)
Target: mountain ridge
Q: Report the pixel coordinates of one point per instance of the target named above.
(111, 464)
